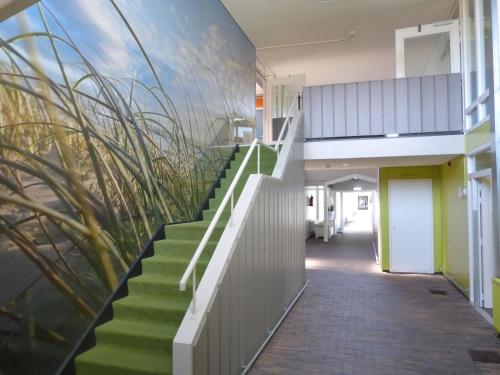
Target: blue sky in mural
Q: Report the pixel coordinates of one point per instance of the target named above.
(197, 50)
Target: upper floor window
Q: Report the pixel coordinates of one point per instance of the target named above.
(476, 27)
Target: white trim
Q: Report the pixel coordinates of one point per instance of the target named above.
(470, 230)
(480, 53)
(480, 174)
(479, 149)
(350, 177)
(481, 99)
(450, 26)
(385, 147)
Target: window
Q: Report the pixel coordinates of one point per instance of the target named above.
(476, 21)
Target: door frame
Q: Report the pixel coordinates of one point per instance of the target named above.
(391, 248)
(478, 255)
(450, 26)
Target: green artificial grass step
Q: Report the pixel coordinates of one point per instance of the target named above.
(196, 229)
(152, 310)
(137, 335)
(161, 286)
(169, 265)
(209, 214)
(180, 249)
(119, 360)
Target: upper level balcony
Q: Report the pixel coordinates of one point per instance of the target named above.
(429, 105)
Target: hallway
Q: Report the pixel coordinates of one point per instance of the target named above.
(354, 319)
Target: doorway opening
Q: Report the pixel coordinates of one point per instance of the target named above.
(259, 109)
(483, 254)
(357, 214)
(482, 258)
(430, 49)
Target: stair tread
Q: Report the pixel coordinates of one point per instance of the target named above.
(174, 303)
(139, 328)
(199, 224)
(159, 279)
(141, 361)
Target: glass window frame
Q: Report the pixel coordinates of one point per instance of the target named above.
(474, 103)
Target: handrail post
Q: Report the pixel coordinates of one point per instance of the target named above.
(258, 158)
(232, 209)
(194, 291)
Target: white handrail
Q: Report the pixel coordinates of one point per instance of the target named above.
(229, 196)
(191, 268)
(287, 120)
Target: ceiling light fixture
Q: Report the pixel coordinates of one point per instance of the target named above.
(392, 135)
(357, 188)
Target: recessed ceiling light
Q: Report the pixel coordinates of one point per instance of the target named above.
(345, 164)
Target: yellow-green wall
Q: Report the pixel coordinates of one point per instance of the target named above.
(478, 136)
(496, 304)
(455, 254)
(407, 173)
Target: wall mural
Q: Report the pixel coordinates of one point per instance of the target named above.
(111, 114)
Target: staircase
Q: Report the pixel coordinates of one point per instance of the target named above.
(138, 340)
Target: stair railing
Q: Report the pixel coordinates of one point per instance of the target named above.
(229, 197)
(293, 108)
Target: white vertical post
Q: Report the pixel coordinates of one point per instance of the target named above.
(342, 212)
(326, 229)
(232, 208)
(194, 291)
(480, 57)
(317, 203)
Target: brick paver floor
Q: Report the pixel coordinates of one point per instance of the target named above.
(354, 319)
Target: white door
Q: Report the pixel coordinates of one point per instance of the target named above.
(430, 49)
(411, 226)
(485, 242)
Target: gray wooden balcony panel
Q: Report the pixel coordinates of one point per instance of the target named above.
(431, 104)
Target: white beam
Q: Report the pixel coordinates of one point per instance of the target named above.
(385, 147)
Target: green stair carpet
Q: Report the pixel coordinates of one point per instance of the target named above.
(138, 340)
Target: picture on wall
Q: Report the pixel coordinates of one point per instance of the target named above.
(362, 202)
(116, 116)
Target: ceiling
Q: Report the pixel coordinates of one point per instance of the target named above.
(277, 22)
(319, 171)
(271, 23)
(348, 164)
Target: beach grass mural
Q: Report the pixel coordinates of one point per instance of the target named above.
(108, 128)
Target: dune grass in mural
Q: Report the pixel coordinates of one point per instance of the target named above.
(87, 174)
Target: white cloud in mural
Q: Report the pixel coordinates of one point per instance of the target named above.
(113, 43)
(196, 56)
